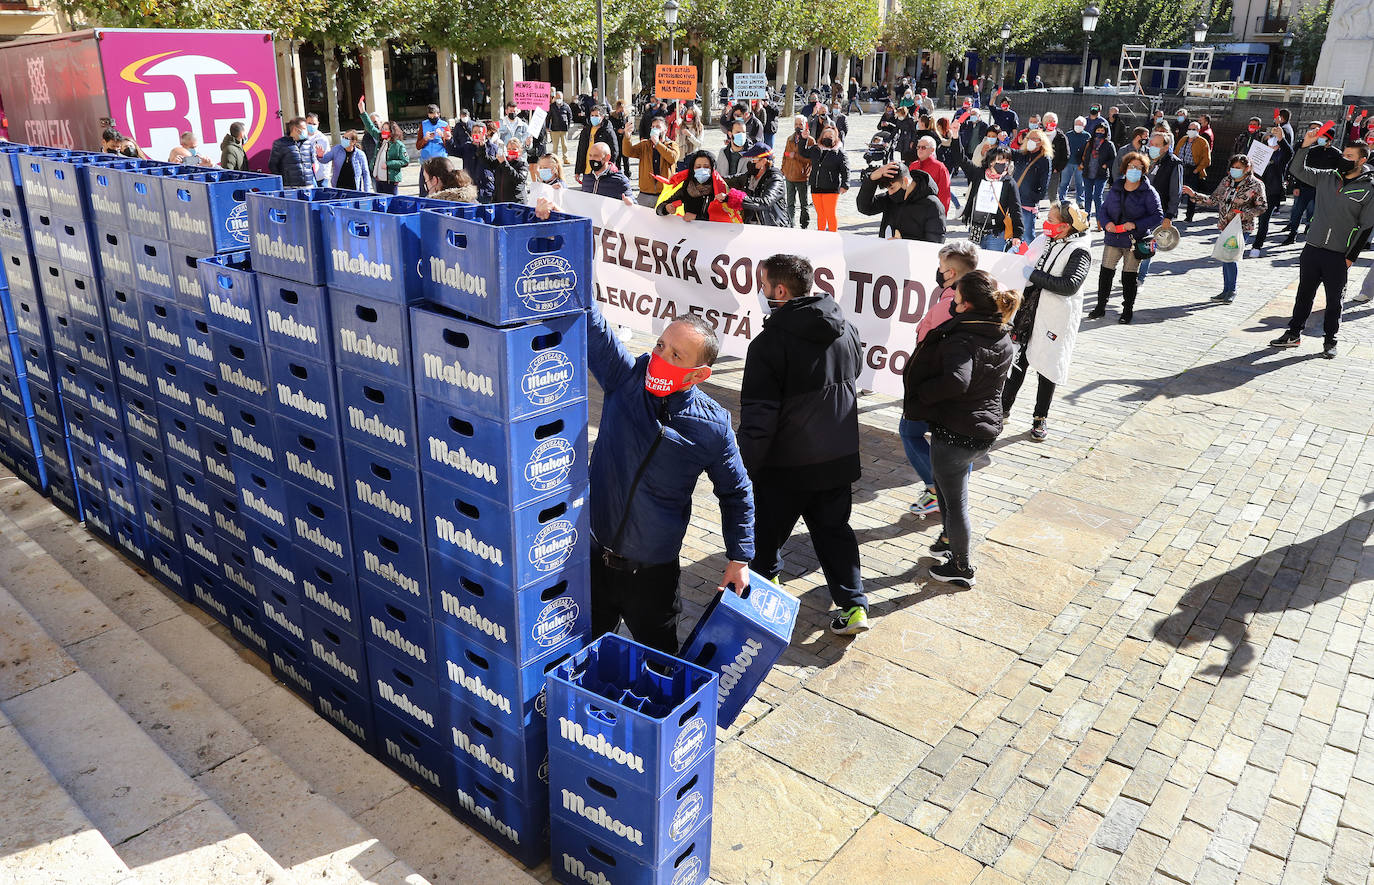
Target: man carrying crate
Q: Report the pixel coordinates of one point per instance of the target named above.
(658, 434)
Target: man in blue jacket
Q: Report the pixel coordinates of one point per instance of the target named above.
(292, 157)
(658, 434)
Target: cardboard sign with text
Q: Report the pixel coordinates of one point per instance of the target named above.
(531, 95)
(675, 82)
(751, 86)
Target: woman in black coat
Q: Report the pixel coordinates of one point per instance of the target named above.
(954, 383)
(994, 220)
(764, 189)
(1274, 190)
(908, 203)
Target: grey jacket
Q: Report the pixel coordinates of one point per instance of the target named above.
(1344, 216)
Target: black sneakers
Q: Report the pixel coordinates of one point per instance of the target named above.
(1287, 339)
(951, 572)
(1329, 349)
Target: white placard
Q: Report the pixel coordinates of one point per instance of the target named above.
(537, 118)
(1259, 155)
(751, 86)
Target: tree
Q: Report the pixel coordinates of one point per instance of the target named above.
(1308, 25)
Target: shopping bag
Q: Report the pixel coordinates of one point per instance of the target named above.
(1230, 242)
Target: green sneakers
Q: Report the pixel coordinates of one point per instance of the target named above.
(849, 623)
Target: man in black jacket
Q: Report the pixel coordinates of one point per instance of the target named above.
(908, 202)
(1166, 175)
(799, 432)
(291, 156)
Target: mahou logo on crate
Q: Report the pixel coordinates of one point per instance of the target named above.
(546, 283)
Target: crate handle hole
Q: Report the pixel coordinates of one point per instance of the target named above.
(396, 613)
(366, 314)
(457, 240)
(468, 510)
(276, 216)
(183, 195)
(225, 281)
(543, 245)
(688, 713)
(600, 855)
(481, 727)
(472, 587)
(249, 419)
(601, 714)
(299, 371)
(389, 545)
(290, 297)
(549, 429)
(315, 510)
(456, 339)
(410, 683)
(237, 352)
(544, 342)
(476, 659)
(458, 425)
(359, 229)
(687, 787)
(374, 394)
(708, 651)
(553, 512)
(553, 592)
(306, 443)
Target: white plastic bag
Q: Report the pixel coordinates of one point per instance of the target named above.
(1230, 242)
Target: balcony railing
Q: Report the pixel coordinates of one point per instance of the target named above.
(1265, 24)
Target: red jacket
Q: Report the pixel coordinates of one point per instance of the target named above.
(936, 170)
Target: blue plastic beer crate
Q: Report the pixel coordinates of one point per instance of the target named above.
(14, 234)
(67, 180)
(52, 288)
(302, 390)
(152, 267)
(373, 246)
(580, 856)
(18, 272)
(131, 541)
(241, 368)
(247, 625)
(231, 292)
(337, 653)
(515, 547)
(644, 717)
(207, 592)
(115, 254)
(288, 661)
(262, 496)
(43, 233)
(206, 211)
(514, 696)
(511, 463)
(103, 400)
(83, 298)
(171, 381)
(166, 563)
(239, 573)
(518, 760)
(159, 517)
(226, 515)
(105, 191)
(181, 439)
(14, 392)
(93, 348)
(215, 455)
(330, 593)
(186, 281)
(388, 561)
(319, 527)
(403, 690)
(198, 342)
(141, 417)
(501, 264)
(282, 609)
(149, 467)
(740, 638)
(65, 495)
(285, 235)
(11, 185)
(371, 336)
(62, 334)
(295, 317)
(412, 753)
(29, 320)
(252, 432)
(32, 177)
(74, 249)
(378, 415)
(402, 631)
(190, 492)
(644, 827)
(121, 311)
(347, 711)
(383, 489)
(502, 374)
(198, 539)
(311, 461)
(208, 402)
(271, 551)
(519, 829)
(517, 626)
(145, 214)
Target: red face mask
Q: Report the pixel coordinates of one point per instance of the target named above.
(384, 136)
(662, 377)
(1055, 229)
(1254, 129)
(512, 154)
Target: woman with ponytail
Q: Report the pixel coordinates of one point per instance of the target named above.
(954, 383)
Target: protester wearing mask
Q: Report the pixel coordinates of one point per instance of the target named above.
(907, 202)
(546, 191)
(1240, 193)
(445, 181)
(1129, 213)
(841, 122)
(657, 156)
(926, 161)
(659, 434)
(753, 127)
(1275, 177)
(1059, 154)
(480, 157)
(973, 167)
(954, 383)
(949, 153)
(799, 432)
(1339, 232)
(1046, 325)
(292, 157)
(903, 131)
(512, 174)
(763, 188)
(391, 157)
(604, 179)
(955, 260)
(796, 169)
(597, 131)
(1253, 133)
(430, 140)
(1096, 165)
(560, 121)
(1139, 136)
(767, 112)
(690, 132)
(1117, 123)
(512, 127)
(1181, 123)
(1196, 156)
(1077, 139)
(1166, 177)
(187, 152)
(993, 211)
(730, 159)
(349, 164)
(1031, 171)
(699, 193)
(1005, 118)
(231, 153)
(319, 143)
(829, 176)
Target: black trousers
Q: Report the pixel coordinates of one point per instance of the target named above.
(1263, 232)
(777, 507)
(1319, 267)
(647, 600)
(387, 187)
(1044, 394)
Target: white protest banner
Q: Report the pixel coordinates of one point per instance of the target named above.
(537, 118)
(751, 86)
(1259, 156)
(648, 268)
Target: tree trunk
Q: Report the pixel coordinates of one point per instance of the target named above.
(790, 93)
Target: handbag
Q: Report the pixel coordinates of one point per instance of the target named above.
(1145, 247)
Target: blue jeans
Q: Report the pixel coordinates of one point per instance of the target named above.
(1094, 188)
(1028, 217)
(993, 243)
(1143, 270)
(913, 434)
(1230, 270)
(1072, 176)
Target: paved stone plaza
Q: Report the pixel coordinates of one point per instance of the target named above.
(1164, 673)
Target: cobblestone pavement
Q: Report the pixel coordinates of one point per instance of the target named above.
(1165, 671)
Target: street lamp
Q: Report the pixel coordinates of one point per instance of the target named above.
(1288, 39)
(1002, 68)
(600, 52)
(1199, 32)
(670, 19)
(1090, 16)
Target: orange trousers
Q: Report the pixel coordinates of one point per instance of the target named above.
(825, 210)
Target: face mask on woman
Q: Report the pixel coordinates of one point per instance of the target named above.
(1056, 229)
(1078, 129)
(1273, 142)
(1237, 174)
(1032, 146)
(827, 142)
(1133, 175)
(990, 140)
(1154, 152)
(594, 120)
(546, 174)
(701, 175)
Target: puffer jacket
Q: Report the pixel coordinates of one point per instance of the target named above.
(916, 215)
(764, 197)
(799, 416)
(1140, 207)
(955, 377)
(647, 460)
(231, 155)
(829, 168)
(294, 161)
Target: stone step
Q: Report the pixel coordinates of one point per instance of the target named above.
(45, 835)
(145, 809)
(315, 802)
